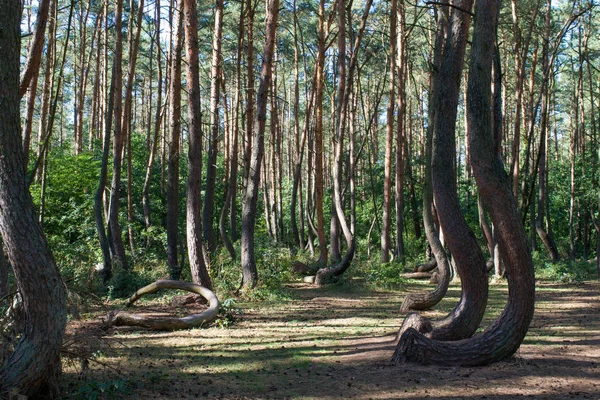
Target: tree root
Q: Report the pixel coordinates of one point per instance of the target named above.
(118, 318)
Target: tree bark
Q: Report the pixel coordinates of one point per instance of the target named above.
(213, 141)
(422, 301)
(34, 58)
(127, 115)
(157, 121)
(3, 271)
(198, 268)
(504, 336)
(389, 134)
(402, 66)
(325, 275)
(173, 157)
(114, 227)
(249, 204)
(34, 367)
(318, 145)
(464, 320)
(544, 235)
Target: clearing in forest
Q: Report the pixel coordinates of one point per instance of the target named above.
(336, 343)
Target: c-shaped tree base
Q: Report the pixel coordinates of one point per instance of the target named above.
(168, 323)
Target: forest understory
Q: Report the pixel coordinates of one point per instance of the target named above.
(337, 342)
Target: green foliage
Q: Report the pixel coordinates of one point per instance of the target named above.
(564, 271)
(112, 389)
(228, 313)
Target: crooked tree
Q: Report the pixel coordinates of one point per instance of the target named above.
(34, 367)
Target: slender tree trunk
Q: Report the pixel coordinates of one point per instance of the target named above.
(318, 145)
(114, 227)
(230, 201)
(173, 153)
(402, 67)
(324, 275)
(200, 274)
(250, 9)
(547, 239)
(249, 271)
(34, 58)
(157, 121)
(34, 368)
(422, 301)
(389, 133)
(127, 114)
(211, 168)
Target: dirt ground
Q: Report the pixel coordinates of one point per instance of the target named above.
(337, 343)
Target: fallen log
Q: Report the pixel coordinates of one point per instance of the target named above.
(416, 275)
(120, 318)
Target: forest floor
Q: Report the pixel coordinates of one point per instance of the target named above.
(336, 343)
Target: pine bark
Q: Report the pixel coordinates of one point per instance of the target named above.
(114, 227)
(502, 339)
(250, 200)
(213, 141)
(34, 367)
(173, 150)
(389, 134)
(198, 268)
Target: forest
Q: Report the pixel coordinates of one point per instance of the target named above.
(306, 199)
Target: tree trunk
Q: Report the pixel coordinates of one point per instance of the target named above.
(249, 271)
(230, 200)
(34, 367)
(127, 116)
(211, 168)
(157, 120)
(114, 227)
(423, 301)
(173, 158)
(464, 320)
(200, 274)
(34, 58)
(402, 66)
(544, 235)
(318, 145)
(502, 339)
(389, 133)
(3, 271)
(325, 275)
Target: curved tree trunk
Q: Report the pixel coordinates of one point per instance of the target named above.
(464, 320)
(249, 271)
(325, 275)
(503, 337)
(198, 268)
(423, 301)
(34, 367)
(169, 323)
